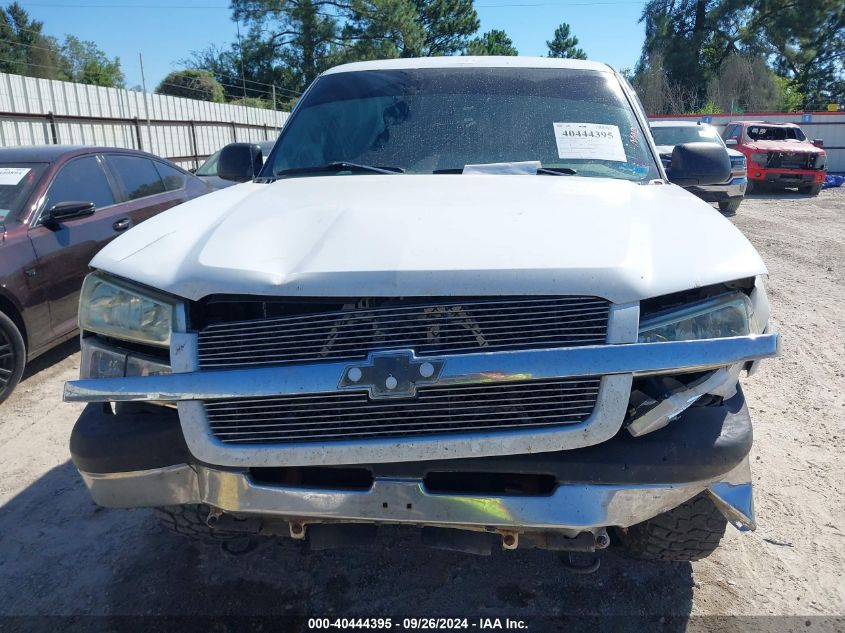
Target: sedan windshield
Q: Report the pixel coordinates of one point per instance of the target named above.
(17, 180)
(422, 121)
(685, 134)
(209, 167)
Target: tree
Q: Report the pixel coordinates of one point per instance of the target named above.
(381, 29)
(801, 40)
(806, 41)
(493, 42)
(289, 42)
(299, 34)
(192, 84)
(83, 62)
(744, 83)
(447, 25)
(564, 44)
(24, 49)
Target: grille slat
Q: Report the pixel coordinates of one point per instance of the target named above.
(353, 397)
(352, 339)
(435, 410)
(350, 319)
(577, 303)
(454, 412)
(409, 342)
(451, 327)
(359, 406)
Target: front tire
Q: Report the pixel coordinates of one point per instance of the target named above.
(12, 356)
(190, 521)
(812, 190)
(691, 531)
(730, 205)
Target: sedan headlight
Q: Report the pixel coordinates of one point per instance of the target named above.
(725, 316)
(116, 308)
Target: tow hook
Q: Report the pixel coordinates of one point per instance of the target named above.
(297, 530)
(585, 561)
(510, 540)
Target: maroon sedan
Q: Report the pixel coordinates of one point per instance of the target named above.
(59, 205)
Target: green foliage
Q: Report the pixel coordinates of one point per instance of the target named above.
(192, 84)
(791, 98)
(710, 107)
(25, 50)
(83, 62)
(801, 40)
(493, 42)
(253, 102)
(289, 42)
(564, 44)
(447, 25)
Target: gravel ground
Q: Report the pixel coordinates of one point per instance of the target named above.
(62, 555)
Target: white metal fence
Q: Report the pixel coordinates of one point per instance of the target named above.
(43, 111)
(827, 126)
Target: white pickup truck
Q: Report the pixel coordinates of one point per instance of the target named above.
(461, 294)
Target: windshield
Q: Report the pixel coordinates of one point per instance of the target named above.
(17, 180)
(769, 133)
(209, 167)
(424, 121)
(685, 134)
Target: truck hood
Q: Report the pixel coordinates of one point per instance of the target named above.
(438, 235)
(794, 147)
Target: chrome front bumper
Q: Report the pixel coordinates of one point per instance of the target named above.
(734, 189)
(618, 364)
(570, 509)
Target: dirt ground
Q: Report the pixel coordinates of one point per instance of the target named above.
(61, 555)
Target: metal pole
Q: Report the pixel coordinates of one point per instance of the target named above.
(54, 134)
(274, 96)
(241, 51)
(146, 107)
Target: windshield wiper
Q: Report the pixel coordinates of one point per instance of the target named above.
(340, 166)
(557, 171)
(549, 171)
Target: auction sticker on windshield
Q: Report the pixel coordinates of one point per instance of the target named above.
(589, 140)
(12, 175)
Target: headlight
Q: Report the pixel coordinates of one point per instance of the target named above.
(725, 316)
(759, 158)
(116, 308)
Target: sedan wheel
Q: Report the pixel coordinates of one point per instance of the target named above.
(12, 356)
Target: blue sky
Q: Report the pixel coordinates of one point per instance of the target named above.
(166, 31)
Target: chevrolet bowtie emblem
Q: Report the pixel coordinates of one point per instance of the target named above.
(391, 374)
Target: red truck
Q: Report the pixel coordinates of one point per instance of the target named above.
(778, 154)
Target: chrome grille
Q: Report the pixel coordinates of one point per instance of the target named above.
(435, 410)
(461, 326)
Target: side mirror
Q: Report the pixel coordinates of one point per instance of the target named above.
(730, 141)
(64, 211)
(818, 142)
(699, 164)
(240, 162)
